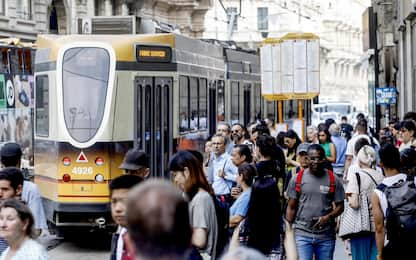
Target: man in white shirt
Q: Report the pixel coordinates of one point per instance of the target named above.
(390, 162)
(361, 132)
(222, 172)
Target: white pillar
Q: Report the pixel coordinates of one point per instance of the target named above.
(409, 67)
(401, 86)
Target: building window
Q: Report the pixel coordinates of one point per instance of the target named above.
(2, 7)
(24, 9)
(232, 12)
(262, 19)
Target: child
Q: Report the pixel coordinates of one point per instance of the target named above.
(119, 188)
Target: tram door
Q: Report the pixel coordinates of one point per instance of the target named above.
(153, 121)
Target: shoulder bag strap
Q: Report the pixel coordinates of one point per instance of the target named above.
(358, 181)
(370, 177)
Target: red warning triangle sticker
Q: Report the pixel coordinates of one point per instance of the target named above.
(82, 158)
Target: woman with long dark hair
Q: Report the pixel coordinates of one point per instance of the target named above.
(325, 141)
(261, 229)
(190, 178)
(292, 142)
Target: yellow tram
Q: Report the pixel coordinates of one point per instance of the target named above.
(99, 95)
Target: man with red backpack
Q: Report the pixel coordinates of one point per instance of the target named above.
(312, 194)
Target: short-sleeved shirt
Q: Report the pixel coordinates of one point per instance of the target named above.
(315, 201)
(353, 140)
(3, 245)
(202, 215)
(367, 184)
(240, 206)
(31, 195)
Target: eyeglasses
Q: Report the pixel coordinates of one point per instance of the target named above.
(315, 159)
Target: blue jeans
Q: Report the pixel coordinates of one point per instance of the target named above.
(323, 249)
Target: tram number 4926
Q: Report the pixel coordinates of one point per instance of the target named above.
(82, 170)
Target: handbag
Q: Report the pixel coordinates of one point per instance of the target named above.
(356, 222)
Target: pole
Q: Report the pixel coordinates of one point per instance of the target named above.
(300, 113)
(280, 111)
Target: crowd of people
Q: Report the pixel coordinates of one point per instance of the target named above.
(248, 196)
(274, 186)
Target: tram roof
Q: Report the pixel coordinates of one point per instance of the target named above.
(123, 45)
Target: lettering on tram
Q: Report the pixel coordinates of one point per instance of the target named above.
(148, 53)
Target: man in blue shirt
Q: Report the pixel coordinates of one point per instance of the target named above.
(222, 173)
(340, 147)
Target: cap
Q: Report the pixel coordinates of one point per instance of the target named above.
(303, 147)
(11, 149)
(134, 160)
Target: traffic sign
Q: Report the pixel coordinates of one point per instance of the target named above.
(386, 96)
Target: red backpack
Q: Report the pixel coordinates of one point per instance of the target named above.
(331, 182)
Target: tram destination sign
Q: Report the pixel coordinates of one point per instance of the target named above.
(153, 53)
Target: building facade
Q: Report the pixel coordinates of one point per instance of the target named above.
(24, 19)
(338, 23)
(394, 55)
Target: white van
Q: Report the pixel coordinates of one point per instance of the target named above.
(334, 110)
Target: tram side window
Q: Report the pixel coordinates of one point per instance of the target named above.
(257, 103)
(220, 101)
(4, 68)
(203, 104)
(193, 99)
(290, 110)
(42, 105)
(271, 109)
(235, 102)
(15, 61)
(183, 104)
(27, 61)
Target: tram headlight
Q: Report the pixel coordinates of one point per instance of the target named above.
(99, 178)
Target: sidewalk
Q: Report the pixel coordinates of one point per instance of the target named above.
(340, 253)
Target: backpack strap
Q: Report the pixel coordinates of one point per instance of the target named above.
(382, 187)
(299, 181)
(331, 181)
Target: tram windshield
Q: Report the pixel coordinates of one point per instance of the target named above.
(85, 73)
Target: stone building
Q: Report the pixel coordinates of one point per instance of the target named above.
(26, 18)
(338, 23)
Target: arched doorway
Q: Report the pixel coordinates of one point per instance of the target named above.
(58, 21)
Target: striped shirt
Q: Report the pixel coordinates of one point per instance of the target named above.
(3, 245)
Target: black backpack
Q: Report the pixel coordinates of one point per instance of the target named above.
(401, 210)
(222, 210)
